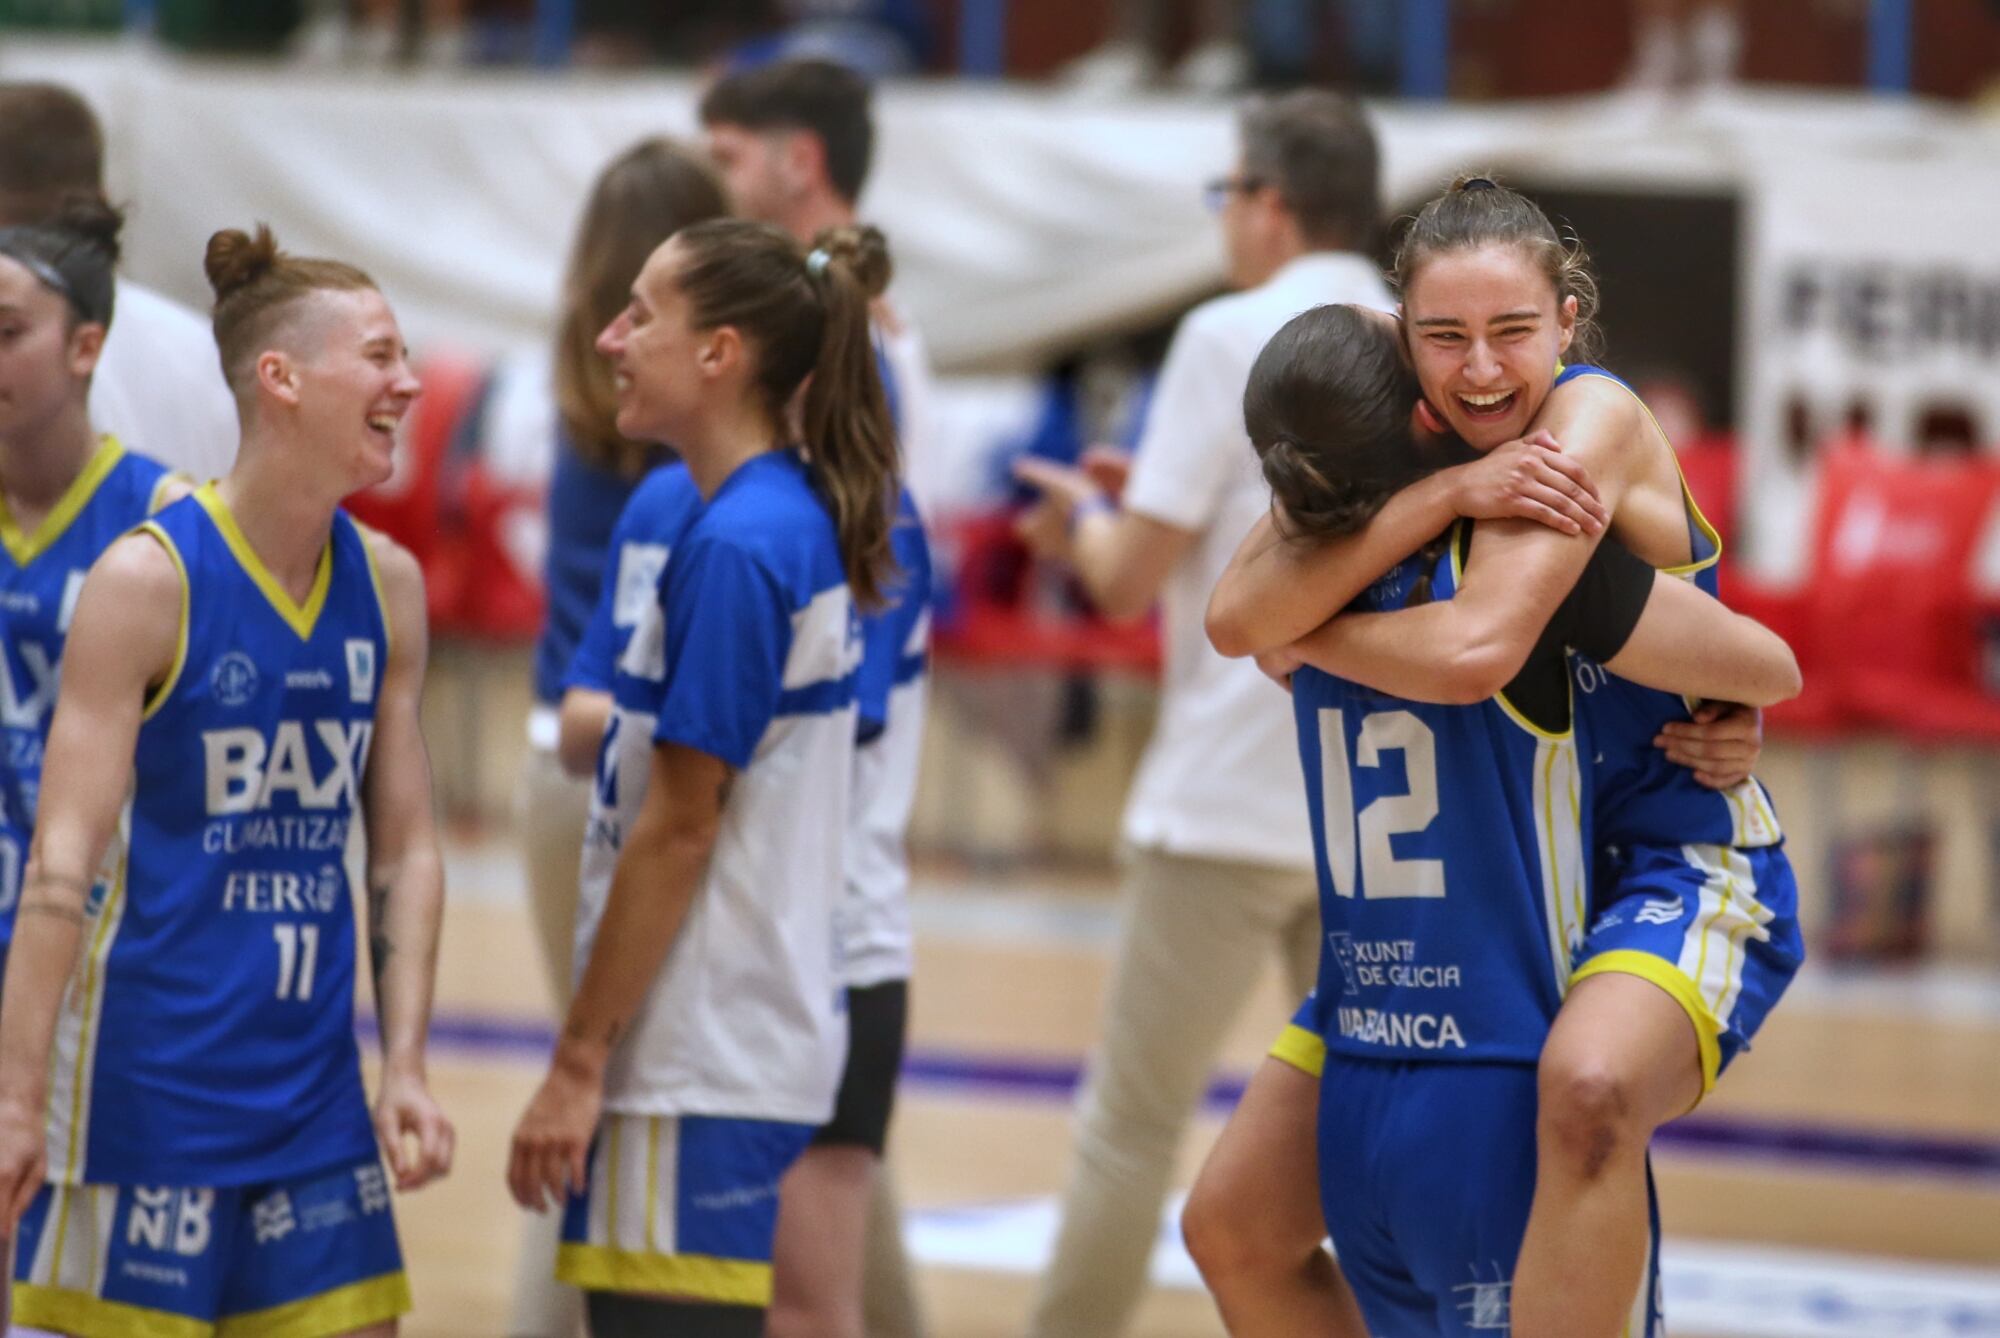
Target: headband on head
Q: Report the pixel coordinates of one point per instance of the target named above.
(818, 260)
(50, 277)
(1480, 183)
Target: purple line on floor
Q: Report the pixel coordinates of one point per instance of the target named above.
(1053, 1079)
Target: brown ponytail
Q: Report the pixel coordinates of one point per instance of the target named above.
(807, 315)
(847, 424)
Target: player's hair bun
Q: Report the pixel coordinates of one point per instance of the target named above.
(860, 250)
(235, 259)
(94, 219)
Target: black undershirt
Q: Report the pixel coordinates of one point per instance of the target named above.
(1596, 619)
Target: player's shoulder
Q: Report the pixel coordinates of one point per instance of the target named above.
(141, 567)
(395, 566)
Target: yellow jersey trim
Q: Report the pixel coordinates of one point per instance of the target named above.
(1659, 971)
(1462, 533)
(301, 618)
(701, 1277)
(342, 1310)
(94, 981)
(375, 579)
(1301, 1049)
(1708, 531)
(71, 1312)
(158, 696)
(25, 548)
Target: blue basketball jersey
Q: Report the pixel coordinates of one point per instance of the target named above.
(1449, 843)
(40, 576)
(1640, 797)
(894, 644)
(645, 536)
(748, 652)
(210, 1037)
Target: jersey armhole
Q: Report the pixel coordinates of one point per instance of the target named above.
(375, 581)
(158, 697)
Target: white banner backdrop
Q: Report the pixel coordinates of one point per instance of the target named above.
(1022, 221)
(1873, 291)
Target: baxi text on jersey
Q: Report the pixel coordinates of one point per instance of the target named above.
(1418, 1031)
(244, 772)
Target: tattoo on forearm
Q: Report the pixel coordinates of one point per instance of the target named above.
(380, 948)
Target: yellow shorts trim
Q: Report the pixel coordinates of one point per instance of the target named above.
(1659, 971)
(73, 1312)
(702, 1277)
(342, 1310)
(1301, 1049)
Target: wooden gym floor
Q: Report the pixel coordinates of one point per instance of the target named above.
(1843, 1182)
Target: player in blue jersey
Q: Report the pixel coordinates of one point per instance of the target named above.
(1452, 840)
(1694, 934)
(65, 491)
(705, 1041)
(240, 686)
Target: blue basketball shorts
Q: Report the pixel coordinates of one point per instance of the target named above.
(680, 1205)
(1716, 927)
(1427, 1171)
(302, 1258)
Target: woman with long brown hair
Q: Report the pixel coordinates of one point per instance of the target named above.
(640, 198)
(704, 1045)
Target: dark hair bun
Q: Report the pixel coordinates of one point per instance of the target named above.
(236, 260)
(92, 218)
(861, 251)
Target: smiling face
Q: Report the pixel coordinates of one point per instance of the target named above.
(45, 364)
(659, 362)
(1485, 333)
(351, 375)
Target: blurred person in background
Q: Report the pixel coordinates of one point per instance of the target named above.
(639, 199)
(1220, 877)
(1685, 43)
(1129, 59)
(66, 492)
(157, 386)
(794, 141)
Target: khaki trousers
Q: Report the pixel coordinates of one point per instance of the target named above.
(1198, 934)
(550, 810)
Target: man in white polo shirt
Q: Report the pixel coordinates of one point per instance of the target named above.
(1220, 875)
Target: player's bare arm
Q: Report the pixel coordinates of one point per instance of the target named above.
(660, 867)
(405, 881)
(122, 645)
(1688, 642)
(1276, 590)
(580, 729)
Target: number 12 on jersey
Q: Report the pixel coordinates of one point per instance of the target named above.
(1386, 815)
